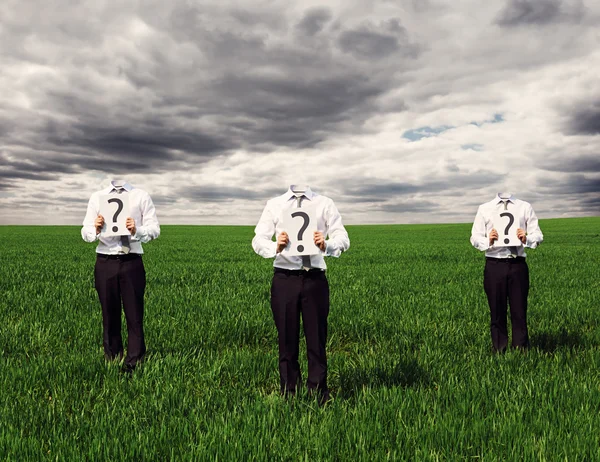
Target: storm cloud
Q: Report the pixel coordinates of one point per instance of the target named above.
(393, 109)
(524, 12)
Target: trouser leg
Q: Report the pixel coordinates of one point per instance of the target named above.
(285, 305)
(315, 310)
(518, 291)
(106, 276)
(132, 279)
(495, 285)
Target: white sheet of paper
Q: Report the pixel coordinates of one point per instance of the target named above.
(501, 222)
(293, 223)
(114, 220)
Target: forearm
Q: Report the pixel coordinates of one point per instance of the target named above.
(146, 233)
(480, 242)
(88, 233)
(336, 245)
(534, 239)
(265, 247)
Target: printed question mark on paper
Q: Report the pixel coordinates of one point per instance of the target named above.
(116, 215)
(511, 220)
(303, 228)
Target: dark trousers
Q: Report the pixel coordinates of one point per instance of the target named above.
(306, 294)
(122, 279)
(506, 282)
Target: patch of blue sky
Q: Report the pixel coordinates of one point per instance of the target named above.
(425, 132)
(496, 120)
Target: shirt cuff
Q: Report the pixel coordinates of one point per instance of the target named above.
(139, 234)
(329, 249)
(271, 251)
(530, 243)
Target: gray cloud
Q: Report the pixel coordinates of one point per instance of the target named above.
(226, 193)
(572, 184)
(191, 91)
(430, 185)
(573, 164)
(523, 12)
(177, 94)
(410, 207)
(592, 203)
(371, 41)
(314, 20)
(586, 121)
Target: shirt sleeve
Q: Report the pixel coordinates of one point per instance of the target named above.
(479, 238)
(338, 241)
(263, 243)
(149, 228)
(534, 233)
(88, 232)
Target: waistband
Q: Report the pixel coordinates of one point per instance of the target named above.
(122, 256)
(300, 272)
(507, 260)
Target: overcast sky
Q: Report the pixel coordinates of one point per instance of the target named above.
(401, 111)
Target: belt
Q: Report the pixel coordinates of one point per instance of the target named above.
(299, 272)
(122, 256)
(507, 260)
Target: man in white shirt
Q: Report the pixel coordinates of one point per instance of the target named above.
(119, 272)
(299, 286)
(506, 274)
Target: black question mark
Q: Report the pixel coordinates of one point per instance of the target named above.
(511, 220)
(120, 207)
(303, 228)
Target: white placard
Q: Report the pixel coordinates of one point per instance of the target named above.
(115, 210)
(300, 225)
(506, 226)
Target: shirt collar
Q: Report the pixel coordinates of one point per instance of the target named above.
(308, 193)
(504, 196)
(120, 184)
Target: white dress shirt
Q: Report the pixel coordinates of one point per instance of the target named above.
(524, 218)
(329, 222)
(141, 209)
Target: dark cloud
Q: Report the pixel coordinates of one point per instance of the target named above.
(99, 88)
(295, 112)
(370, 41)
(141, 147)
(55, 199)
(591, 203)
(230, 88)
(572, 164)
(227, 193)
(163, 200)
(586, 121)
(409, 207)
(538, 12)
(314, 20)
(429, 185)
(571, 184)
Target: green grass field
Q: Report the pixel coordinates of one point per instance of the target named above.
(410, 363)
